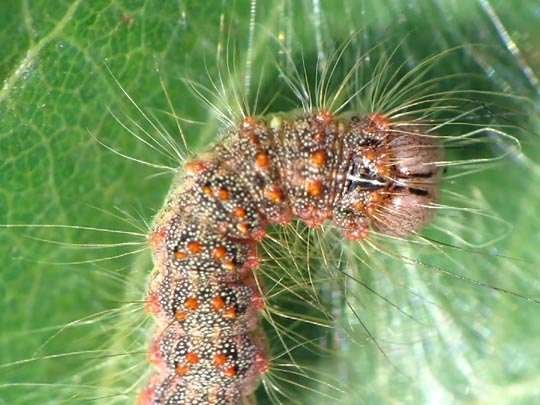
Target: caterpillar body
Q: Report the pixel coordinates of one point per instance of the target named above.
(397, 316)
(357, 171)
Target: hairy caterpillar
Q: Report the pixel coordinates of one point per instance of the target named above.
(356, 171)
(123, 192)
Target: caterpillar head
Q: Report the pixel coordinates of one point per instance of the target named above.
(392, 178)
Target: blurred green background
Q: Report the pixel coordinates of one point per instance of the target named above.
(64, 64)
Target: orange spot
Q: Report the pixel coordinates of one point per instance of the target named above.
(359, 206)
(181, 369)
(179, 255)
(383, 170)
(220, 359)
(318, 158)
(194, 247)
(370, 154)
(262, 159)
(228, 264)
(191, 303)
(223, 194)
(207, 190)
(324, 116)
(151, 305)
(180, 315)
(218, 302)
(243, 227)
(230, 371)
(375, 200)
(192, 357)
(196, 166)
(253, 139)
(230, 313)
(382, 166)
(154, 240)
(249, 122)
(380, 121)
(219, 252)
(314, 188)
(239, 212)
(273, 193)
(146, 397)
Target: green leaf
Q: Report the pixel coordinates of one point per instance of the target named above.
(69, 71)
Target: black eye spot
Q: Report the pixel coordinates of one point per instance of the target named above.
(418, 191)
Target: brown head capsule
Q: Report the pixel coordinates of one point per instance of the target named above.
(413, 182)
(391, 181)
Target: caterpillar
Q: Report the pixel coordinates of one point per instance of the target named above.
(355, 171)
(114, 374)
